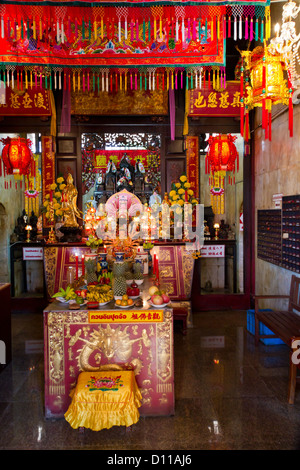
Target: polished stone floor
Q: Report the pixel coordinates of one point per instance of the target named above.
(229, 395)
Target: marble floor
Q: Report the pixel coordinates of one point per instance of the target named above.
(229, 395)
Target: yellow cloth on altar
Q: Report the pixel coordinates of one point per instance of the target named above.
(104, 399)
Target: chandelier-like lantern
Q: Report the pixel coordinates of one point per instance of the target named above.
(287, 41)
(265, 85)
(17, 156)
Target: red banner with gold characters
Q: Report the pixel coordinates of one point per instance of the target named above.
(48, 167)
(208, 101)
(192, 163)
(32, 101)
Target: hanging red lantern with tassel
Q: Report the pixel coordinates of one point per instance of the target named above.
(222, 155)
(17, 156)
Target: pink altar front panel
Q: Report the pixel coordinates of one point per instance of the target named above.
(72, 343)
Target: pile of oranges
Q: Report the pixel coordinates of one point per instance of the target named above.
(125, 301)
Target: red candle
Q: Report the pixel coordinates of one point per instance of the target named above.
(76, 258)
(82, 264)
(51, 196)
(154, 264)
(186, 196)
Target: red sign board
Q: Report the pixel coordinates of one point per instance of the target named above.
(211, 102)
(48, 167)
(32, 101)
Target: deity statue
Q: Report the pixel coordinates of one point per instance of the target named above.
(139, 167)
(125, 163)
(110, 175)
(155, 198)
(139, 175)
(125, 177)
(69, 205)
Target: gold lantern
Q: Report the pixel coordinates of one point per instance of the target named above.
(265, 85)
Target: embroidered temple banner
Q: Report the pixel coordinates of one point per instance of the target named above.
(155, 36)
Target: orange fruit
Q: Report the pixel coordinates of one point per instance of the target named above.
(124, 303)
(118, 302)
(125, 297)
(130, 301)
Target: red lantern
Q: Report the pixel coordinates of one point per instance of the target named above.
(222, 155)
(16, 155)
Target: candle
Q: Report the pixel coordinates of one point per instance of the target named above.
(76, 258)
(186, 196)
(82, 264)
(154, 263)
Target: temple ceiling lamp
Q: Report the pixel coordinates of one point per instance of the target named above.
(265, 82)
(287, 41)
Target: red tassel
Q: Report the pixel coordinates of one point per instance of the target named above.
(247, 127)
(264, 78)
(291, 117)
(242, 119)
(242, 84)
(263, 124)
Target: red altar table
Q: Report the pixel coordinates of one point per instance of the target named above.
(76, 341)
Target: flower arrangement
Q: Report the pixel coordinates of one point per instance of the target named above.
(55, 196)
(182, 193)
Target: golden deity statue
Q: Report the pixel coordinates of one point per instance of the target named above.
(71, 211)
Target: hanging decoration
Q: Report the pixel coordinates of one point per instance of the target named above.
(86, 46)
(222, 157)
(264, 86)
(33, 186)
(17, 156)
(287, 41)
(217, 193)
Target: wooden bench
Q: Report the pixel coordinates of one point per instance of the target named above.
(285, 324)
